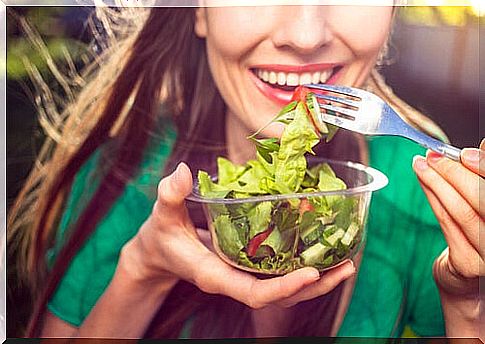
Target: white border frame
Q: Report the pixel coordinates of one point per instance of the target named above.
(157, 3)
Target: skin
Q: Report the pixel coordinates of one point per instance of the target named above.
(266, 36)
(168, 247)
(452, 189)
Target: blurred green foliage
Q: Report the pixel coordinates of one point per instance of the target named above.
(21, 49)
(50, 26)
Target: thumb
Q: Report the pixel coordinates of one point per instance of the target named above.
(173, 189)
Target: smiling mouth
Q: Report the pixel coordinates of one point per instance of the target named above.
(288, 81)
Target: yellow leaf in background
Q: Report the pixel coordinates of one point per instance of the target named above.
(443, 15)
(453, 15)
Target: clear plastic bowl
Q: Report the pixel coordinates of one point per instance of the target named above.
(340, 244)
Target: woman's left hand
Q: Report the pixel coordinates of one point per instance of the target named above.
(452, 189)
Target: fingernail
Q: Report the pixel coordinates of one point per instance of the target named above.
(420, 163)
(177, 175)
(433, 157)
(315, 274)
(472, 155)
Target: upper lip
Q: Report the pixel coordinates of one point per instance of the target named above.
(315, 67)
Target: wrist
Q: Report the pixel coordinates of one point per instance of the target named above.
(461, 314)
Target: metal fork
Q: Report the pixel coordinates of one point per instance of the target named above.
(363, 112)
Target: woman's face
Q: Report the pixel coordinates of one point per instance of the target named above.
(257, 55)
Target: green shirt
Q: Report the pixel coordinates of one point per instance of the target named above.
(394, 286)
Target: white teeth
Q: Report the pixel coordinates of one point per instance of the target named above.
(305, 78)
(272, 78)
(265, 76)
(293, 79)
(315, 78)
(281, 78)
(325, 75)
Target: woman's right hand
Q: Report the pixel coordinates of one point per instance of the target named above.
(167, 248)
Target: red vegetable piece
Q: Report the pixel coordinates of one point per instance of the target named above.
(300, 94)
(305, 206)
(256, 241)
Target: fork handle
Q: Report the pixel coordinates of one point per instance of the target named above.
(449, 151)
(435, 145)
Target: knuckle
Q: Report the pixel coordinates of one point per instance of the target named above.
(469, 217)
(447, 167)
(461, 267)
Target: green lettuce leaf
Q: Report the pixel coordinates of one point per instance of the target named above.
(208, 188)
(228, 236)
(227, 172)
(265, 147)
(298, 138)
(259, 218)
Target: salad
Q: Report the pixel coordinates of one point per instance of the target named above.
(279, 236)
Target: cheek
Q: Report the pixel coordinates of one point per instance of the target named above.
(364, 29)
(234, 31)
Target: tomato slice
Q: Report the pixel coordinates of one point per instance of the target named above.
(299, 94)
(256, 241)
(305, 206)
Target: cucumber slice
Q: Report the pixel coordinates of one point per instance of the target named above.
(314, 254)
(334, 238)
(350, 234)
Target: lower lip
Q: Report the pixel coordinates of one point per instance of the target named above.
(280, 96)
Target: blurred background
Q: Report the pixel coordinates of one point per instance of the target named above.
(433, 64)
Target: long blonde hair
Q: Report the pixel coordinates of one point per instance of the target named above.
(102, 102)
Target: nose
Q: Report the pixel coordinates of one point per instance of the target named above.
(303, 29)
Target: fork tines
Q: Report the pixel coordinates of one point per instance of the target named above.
(344, 101)
(338, 111)
(345, 90)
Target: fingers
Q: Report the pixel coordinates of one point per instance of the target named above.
(472, 158)
(463, 254)
(329, 281)
(278, 288)
(172, 190)
(216, 277)
(461, 178)
(448, 201)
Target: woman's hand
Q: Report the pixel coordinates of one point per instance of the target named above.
(169, 247)
(452, 189)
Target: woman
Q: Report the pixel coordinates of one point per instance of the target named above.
(125, 251)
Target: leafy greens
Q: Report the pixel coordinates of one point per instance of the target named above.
(282, 235)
